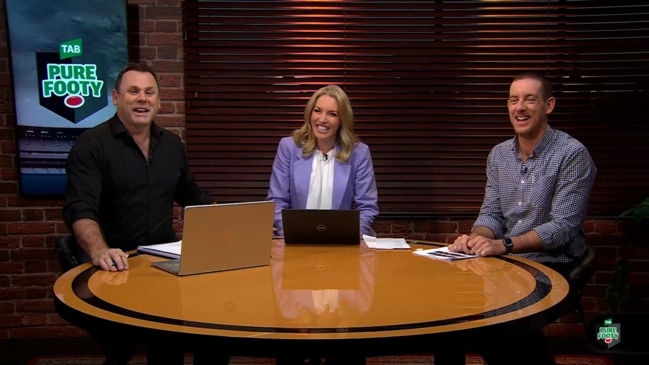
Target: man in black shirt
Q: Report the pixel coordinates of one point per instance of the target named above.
(124, 176)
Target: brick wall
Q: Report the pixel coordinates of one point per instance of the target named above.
(29, 228)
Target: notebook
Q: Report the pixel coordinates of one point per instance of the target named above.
(223, 237)
(321, 226)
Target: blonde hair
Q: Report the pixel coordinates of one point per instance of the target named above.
(345, 137)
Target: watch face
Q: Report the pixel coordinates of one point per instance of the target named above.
(509, 245)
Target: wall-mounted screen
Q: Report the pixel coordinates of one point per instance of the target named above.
(65, 56)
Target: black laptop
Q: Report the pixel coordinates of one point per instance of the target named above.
(321, 226)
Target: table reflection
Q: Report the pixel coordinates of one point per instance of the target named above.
(315, 290)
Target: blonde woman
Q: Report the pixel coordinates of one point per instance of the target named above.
(323, 165)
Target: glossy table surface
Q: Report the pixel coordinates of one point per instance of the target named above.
(321, 292)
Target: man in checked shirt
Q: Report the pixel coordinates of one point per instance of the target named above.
(536, 199)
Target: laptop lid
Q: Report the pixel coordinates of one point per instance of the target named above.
(321, 226)
(224, 237)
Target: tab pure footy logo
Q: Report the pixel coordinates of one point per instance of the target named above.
(71, 83)
(609, 334)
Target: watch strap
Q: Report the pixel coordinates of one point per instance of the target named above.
(509, 244)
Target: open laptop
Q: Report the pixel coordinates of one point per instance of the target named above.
(321, 226)
(224, 237)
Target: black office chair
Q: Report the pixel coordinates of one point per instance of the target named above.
(65, 253)
(578, 278)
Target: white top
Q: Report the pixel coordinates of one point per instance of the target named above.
(321, 185)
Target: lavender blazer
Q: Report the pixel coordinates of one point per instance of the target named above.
(354, 183)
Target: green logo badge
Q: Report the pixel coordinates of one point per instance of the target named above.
(609, 334)
(72, 48)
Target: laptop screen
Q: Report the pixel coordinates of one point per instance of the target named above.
(321, 226)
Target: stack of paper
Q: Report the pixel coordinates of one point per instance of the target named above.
(170, 250)
(443, 253)
(386, 243)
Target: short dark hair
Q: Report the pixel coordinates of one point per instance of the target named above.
(136, 66)
(546, 87)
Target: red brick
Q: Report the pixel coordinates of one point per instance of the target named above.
(32, 254)
(169, 2)
(169, 80)
(35, 319)
(381, 225)
(147, 53)
(8, 187)
(176, 66)
(32, 241)
(12, 268)
(9, 174)
(10, 215)
(433, 237)
(167, 107)
(32, 215)
(35, 306)
(53, 214)
(55, 319)
(169, 52)
(146, 25)
(7, 308)
(12, 293)
(436, 227)
(142, 2)
(35, 266)
(604, 226)
(180, 107)
(30, 228)
(34, 280)
(170, 121)
(163, 12)
(164, 39)
(10, 320)
(9, 241)
(588, 226)
(168, 26)
(401, 227)
(38, 293)
(172, 94)
(464, 227)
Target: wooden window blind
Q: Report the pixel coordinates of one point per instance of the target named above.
(428, 82)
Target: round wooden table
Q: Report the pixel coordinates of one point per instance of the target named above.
(324, 298)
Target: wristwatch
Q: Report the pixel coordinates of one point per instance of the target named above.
(509, 245)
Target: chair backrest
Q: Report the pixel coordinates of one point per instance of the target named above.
(578, 278)
(580, 275)
(65, 254)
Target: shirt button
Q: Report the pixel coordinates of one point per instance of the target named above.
(522, 181)
(520, 203)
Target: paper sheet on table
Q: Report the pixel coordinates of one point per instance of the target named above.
(386, 243)
(170, 250)
(443, 253)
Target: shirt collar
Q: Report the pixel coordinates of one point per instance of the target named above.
(117, 127)
(543, 142)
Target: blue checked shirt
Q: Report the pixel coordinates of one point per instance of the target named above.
(548, 193)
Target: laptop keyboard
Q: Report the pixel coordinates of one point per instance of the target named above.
(169, 265)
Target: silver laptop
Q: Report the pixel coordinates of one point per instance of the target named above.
(321, 226)
(224, 237)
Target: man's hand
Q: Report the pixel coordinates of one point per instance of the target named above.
(110, 259)
(478, 245)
